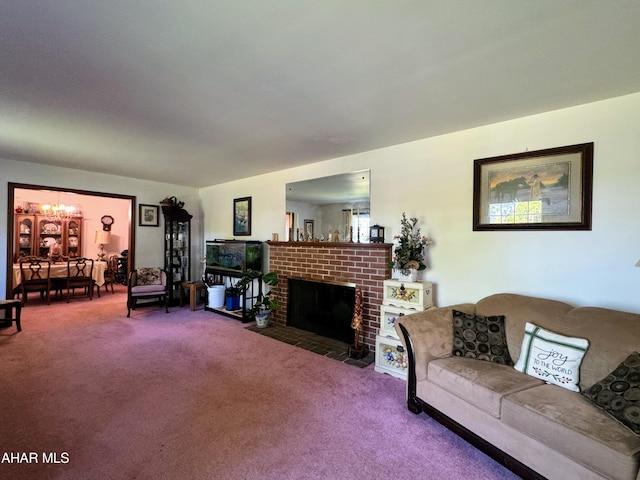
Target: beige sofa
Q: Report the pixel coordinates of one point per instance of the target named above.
(536, 429)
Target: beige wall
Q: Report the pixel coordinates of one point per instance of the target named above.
(433, 180)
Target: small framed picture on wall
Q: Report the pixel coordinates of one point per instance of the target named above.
(148, 215)
(308, 229)
(242, 216)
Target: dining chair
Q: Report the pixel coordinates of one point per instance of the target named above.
(110, 274)
(35, 275)
(80, 275)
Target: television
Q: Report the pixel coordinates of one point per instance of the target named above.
(235, 255)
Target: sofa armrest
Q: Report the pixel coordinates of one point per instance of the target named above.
(430, 333)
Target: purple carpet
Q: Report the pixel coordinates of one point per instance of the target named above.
(194, 395)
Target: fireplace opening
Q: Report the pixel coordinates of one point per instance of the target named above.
(324, 308)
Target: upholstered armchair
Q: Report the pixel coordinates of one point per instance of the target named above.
(146, 283)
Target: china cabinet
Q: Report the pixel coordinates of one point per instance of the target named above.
(177, 249)
(43, 236)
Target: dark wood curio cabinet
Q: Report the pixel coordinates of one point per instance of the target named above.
(177, 249)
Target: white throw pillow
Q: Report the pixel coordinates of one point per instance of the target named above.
(552, 357)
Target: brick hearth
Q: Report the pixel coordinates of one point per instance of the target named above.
(364, 264)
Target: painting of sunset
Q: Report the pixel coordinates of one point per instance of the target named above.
(547, 189)
(524, 194)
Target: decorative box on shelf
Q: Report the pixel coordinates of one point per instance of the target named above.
(391, 357)
(414, 295)
(388, 316)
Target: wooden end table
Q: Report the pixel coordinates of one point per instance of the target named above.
(8, 306)
(193, 288)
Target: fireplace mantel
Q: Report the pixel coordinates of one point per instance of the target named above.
(363, 264)
(331, 244)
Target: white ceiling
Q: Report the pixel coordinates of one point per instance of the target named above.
(200, 92)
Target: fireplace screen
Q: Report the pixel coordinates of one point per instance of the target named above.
(322, 308)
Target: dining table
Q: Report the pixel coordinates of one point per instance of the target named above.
(59, 270)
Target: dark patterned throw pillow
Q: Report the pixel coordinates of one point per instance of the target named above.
(618, 394)
(480, 337)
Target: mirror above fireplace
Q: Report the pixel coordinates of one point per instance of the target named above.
(322, 203)
(350, 187)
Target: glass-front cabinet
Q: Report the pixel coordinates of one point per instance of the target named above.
(177, 249)
(50, 237)
(72, 238)
(24, 236)
(47, 237)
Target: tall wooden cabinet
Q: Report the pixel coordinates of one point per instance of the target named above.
(42, 236)
(177, 249)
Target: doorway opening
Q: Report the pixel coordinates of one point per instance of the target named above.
(18, 197)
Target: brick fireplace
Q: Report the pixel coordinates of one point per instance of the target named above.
(364, 264)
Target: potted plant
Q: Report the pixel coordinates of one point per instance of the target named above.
(408, 257)
(264, 303)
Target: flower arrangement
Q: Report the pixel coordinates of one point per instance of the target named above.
(409, 253)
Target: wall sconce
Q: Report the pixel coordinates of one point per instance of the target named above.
(103, 237)
(376, 234)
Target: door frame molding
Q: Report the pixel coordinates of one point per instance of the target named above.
(11, 222)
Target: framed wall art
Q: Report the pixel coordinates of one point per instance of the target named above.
(148, 215)
(308, 229)
(541, 190)
(242, 216)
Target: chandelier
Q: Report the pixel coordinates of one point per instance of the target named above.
(57, 211)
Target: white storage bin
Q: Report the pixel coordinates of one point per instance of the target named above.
(216, 296)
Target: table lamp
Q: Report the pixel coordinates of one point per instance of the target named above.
(103, 237)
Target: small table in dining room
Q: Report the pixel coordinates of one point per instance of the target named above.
(8, 306)
(194, 288)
